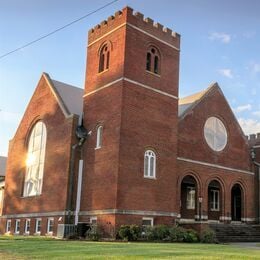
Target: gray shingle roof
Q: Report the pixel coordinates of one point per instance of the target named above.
(187, 103)
(71, 96)
(2, 165)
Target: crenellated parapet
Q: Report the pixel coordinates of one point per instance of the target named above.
(133, 19)
(254, 139)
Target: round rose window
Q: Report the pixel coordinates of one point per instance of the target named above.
(215, 134)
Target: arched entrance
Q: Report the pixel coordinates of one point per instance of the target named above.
(236, 203)
(188, 197)
(214, 200)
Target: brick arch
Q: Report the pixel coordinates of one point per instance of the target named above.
(192, 174)
(218, 179)
(184, 211)
(216, 215)
(109, 44)
(30, 128)
(244, 188)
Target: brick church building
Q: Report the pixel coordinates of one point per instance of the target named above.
(127, 149)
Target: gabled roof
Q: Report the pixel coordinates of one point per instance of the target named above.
(69, 98)
(2, 165)
(189, 102)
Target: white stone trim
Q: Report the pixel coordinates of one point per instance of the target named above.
(32, 215)
(136, 28)
(61, 105)
(152, 36)
(150, 88)
(106, 34)
(133, 82)
(214, 165)
(256, 146)
(224, 218)
(128, 212)
(248, 219)
(103, 87)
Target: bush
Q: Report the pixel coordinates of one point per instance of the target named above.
(129, 232)
(176, 234)
(190, 236)
(93, 233)
(208, 236)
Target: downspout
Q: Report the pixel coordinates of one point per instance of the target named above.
(257, 189)
(81, 134)
(257, 178)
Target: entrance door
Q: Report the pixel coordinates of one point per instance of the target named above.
(236, 200)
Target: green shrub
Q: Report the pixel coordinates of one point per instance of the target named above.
(208, 236)
(176, 234)
(93, 233)
(129, 232)
(190, 236)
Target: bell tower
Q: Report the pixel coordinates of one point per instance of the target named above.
(131, 94)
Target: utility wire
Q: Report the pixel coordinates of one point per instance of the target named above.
(58, 29)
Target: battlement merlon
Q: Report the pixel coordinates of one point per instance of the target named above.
(254, 139)
(134, 19)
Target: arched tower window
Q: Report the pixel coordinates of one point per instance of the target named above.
(35, 160)
(153, 60)
(104, 58)
(99, 136)
(149, 164)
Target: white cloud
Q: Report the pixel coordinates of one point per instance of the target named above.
(256, 113)
(242, 108)
(226, 73)
(256, 67)
(9, 117)
(249, 126)
(222, 37)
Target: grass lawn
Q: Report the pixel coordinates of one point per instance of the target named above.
(46, 248)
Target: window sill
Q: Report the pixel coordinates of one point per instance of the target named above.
(215, 210)
(31, 196)
(155, 74)
(97, 148)
(151, 178)
(101, 72)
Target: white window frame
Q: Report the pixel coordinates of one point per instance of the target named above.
(99, 137)
(17, 226)
(149, 219)
(149, 168)
(214, 205)
(8, 226)
(48, 225)
(35, 160)
(37, 225)
(190, 198)
(93, 219)
(27, 224)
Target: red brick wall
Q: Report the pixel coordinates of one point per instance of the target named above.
(43, 106)
(192, 144)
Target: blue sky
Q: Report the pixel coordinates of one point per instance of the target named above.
(220, 42)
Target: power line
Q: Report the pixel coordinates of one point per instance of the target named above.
(58, 29)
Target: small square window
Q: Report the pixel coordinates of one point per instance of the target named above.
(27, 226)
(8, 226)
(17, 226)
(38, 226)
(146, 222)
(93, 220)
(50, 225)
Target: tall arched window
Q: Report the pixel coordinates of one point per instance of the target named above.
(35, 160)
(104, 58)
(149, 164)
(99, 136)
(153, 60)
